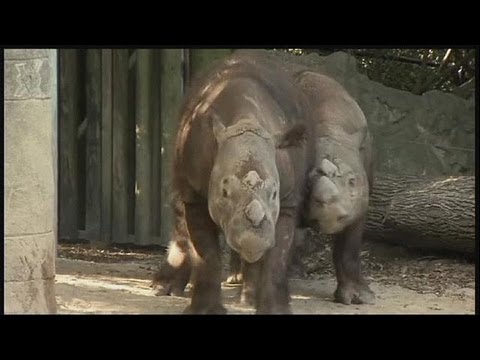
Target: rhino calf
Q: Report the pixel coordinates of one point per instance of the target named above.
(340, 180)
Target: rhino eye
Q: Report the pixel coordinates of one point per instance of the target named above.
(352, 182)
(225, 193)
(274, 195)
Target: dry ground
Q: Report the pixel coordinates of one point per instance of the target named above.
(116, 281)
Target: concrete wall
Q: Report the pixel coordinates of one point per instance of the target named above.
(30, 128)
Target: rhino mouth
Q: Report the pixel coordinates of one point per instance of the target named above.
(251, 245)
(331, 229)
(252, 257)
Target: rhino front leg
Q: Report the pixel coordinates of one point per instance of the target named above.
(235, 276)
(351, 287)
(250, 273)
(206, 293)
(272, 290)
(251, 277)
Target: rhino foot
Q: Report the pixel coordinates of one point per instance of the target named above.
(234, 279)
(205, 309)
(168, 282)
(280, 309)
(161, 289)
(168, 290)
(247, 297)
(189, 288)
(354, 293)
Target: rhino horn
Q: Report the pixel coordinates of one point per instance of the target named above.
(328, 168)
(255, 212)
(325, 189)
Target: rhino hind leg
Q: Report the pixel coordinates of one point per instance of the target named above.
(171, 281)
(174, 274)
(351, 288)
(206, 292)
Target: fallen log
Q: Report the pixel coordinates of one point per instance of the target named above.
(423, 212)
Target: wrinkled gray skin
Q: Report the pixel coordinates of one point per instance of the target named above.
(340, 179)
(240, 166)
(243, 197)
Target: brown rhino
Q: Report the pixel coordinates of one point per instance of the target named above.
(239, 169)
(340, 179)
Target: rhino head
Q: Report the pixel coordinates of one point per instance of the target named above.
(339, 189)
(244, 188)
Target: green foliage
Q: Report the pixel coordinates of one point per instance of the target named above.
(414, 70)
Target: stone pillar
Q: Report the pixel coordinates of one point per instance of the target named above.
(30, 198)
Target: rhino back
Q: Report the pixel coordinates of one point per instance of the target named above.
(241, 82)
(330, 104)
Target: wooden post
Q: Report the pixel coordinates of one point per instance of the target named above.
(93, 140)
(131, 141)
(201, 59)
(156, 147)
(171, 94)
(68, 120)
(119, 147)
(106, 146)
(143, 148)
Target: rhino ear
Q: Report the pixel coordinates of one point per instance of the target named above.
(218, 127)
(296, 136)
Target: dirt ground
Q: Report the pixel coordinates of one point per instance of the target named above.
(116, 281)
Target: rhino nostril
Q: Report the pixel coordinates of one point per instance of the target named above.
(341, 217)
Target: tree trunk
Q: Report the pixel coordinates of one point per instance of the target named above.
(423, 212)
